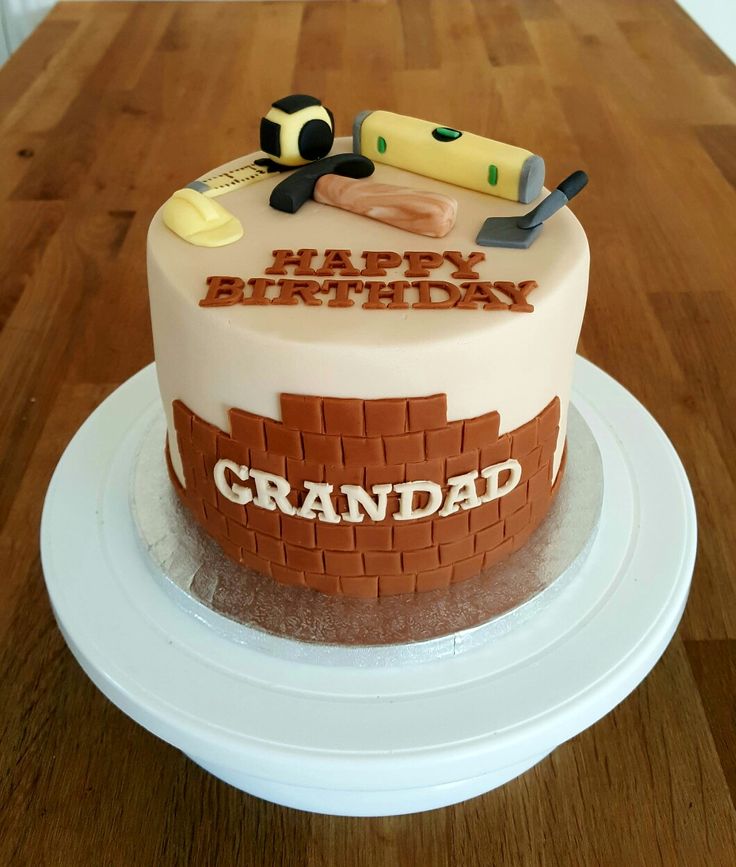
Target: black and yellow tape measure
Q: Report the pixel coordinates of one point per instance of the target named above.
(297, 130)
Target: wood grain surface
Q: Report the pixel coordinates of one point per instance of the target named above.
(109, 107)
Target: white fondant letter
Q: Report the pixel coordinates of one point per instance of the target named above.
(491, 474)
(462, 493)
(235, 493)
(318, 500)
(272, 492)
(357, 496)
(406, 491)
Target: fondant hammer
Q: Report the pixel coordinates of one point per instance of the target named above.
(336, 181)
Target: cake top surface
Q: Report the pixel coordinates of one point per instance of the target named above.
(560, 250)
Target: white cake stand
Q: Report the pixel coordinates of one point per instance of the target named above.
(371, 741)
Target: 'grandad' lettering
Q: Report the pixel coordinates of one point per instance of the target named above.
(272, 492)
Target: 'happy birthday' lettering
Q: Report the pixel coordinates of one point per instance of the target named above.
(294, 279)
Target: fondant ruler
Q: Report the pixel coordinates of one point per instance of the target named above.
(233, 179)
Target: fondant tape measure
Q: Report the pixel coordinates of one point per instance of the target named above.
(297, 130)
(233, 179)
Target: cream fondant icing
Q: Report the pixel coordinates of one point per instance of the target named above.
(214, 359)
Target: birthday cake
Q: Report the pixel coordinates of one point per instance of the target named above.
(365, 379)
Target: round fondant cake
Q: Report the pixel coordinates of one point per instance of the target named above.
(352, 406)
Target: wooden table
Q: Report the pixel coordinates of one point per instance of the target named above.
(110, 106)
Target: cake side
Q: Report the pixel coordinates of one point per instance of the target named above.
(482, 359)
(325, 367)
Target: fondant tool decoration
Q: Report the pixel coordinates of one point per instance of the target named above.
(335, 181)
(418, 211)
(295, 190)
(200, 221)
(233, 179)
(520, 232)
(450, 155)
(296, 130)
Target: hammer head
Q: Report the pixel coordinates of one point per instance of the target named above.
(292, 192)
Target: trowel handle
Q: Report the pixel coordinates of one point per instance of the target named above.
(572, 184)
(568, 189)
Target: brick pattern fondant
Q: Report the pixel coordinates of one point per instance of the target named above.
(367, 442)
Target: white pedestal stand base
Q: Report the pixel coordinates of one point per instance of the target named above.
(371, 741)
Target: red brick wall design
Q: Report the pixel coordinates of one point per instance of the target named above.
(367, 442)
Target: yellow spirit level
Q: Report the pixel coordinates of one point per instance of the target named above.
(450, 155)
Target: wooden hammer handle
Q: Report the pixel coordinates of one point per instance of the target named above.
(417, 211)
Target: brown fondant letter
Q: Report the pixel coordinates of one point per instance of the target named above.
(517, 294)
(475, 292)
(393, 291)
(464, 266)
(258, 295)
(420, 263)
(306, 288)
(222, 292)
(377, 262)
(337, 260)
(342, 288)
(425, 294)
(302, 260)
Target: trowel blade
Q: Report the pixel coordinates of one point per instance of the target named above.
(504, 232)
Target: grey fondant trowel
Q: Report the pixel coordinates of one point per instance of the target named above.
(520, 232)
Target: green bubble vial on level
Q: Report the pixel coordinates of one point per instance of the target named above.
(446, 133)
